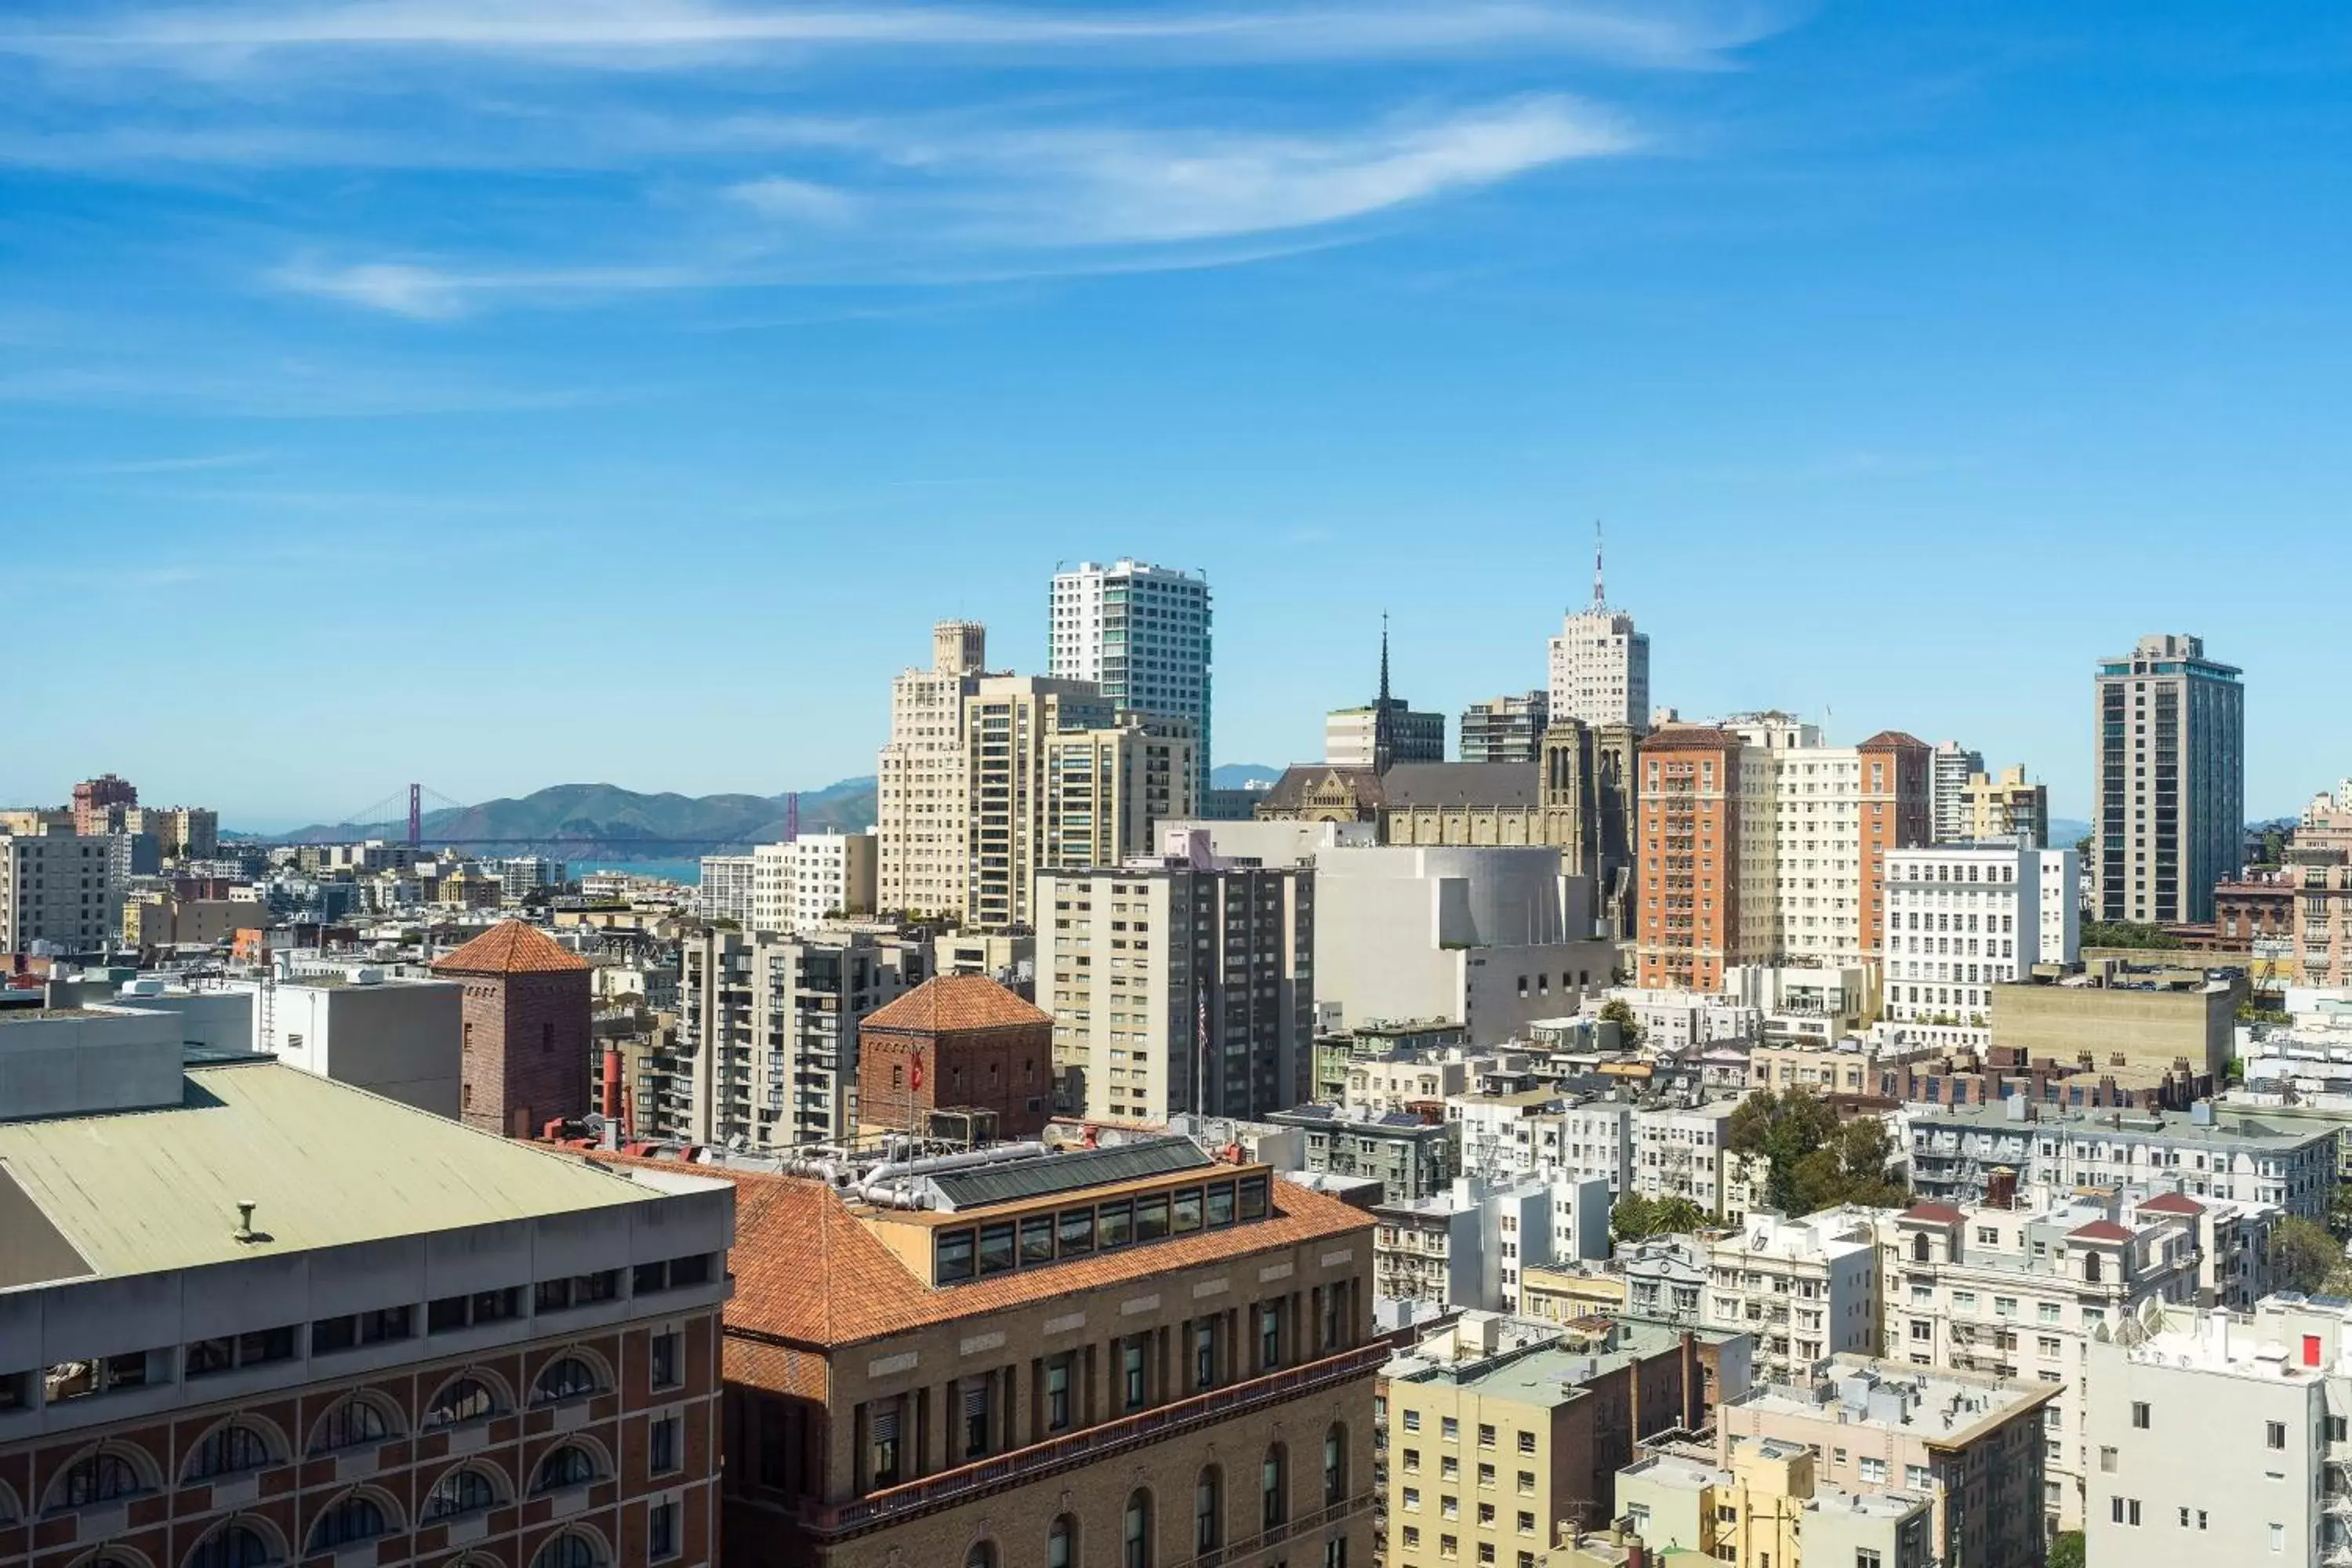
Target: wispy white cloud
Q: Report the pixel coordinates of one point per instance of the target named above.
(652, 35)
(780, 197)
(140, 465)
(439, 294)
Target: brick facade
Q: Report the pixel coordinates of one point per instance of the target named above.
(529, 1058)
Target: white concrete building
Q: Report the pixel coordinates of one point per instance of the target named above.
(1480, 935)
(1949, 768)
(1466, 1247)
(1963, 918)
(1805, 1289)
(771, 888)
(1142, 634)
(1600, 665)
(1673, 1020)
(60, 889)
(829, 876)
(1678, 1152)
(728, 889)
(2222, 1439)
(395, 1036)
(1180, 983)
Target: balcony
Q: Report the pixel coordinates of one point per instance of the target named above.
(951, 1488)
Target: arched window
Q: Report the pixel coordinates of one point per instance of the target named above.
(566, 1377)
(460, 1491)
(1920, 1248)
(466, 1399)
(568, 1466)
(1335, 1465)
(353, 1422)
(233, 1545)
(224, 1451)
(354, 1518)
(95, 1478)
(1208, 1508)
(982, 1555)
(2091, 1268)
(570, 1550)
(1273, 1484)
(1062, 1542)
(1135, 1531)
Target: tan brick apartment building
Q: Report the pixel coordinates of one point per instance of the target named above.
(527, 1051)
(427, 1345)
(1129, 1356)
(1758, 844)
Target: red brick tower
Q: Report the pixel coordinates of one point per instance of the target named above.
(956, 1042)
(528, 1056)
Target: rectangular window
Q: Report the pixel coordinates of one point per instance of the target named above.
(1253, 1193)
(1037, 1240)
(1269, 1335)
(1078, 1228)
(667, 1355)
(661, 1531)
(1115, 1224)
(1185, 1214)
(2139, 1415)
(1204, 1355)
(1220, 1204)
(882, 1456)
(2276, 1435)
(1151, 1218)
(1873, 1472)
(975, 1420)
(957, 1253)
(996, 1248)
(1057, 1395)
(1131, 1362)
(664, 1452)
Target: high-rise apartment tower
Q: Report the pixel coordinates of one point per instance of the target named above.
(2170, 774)
(1141, 633)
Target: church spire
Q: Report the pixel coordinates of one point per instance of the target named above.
(1383, 716)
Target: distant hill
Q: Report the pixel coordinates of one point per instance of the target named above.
(617, 815)
(2065, 832)
(1233, 775)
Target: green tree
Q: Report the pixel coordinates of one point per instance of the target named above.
(2065, 1549)
(1636, 1216)
(2127, 934)
(1818, 1161)
(1629, 1028)
(2303, 1257)
(2340, 1211)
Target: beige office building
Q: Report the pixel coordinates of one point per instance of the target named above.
(2005, 807)
(922, 784)
(1177, 987)
(58, 887)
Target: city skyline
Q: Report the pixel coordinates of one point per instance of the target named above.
(528, 350)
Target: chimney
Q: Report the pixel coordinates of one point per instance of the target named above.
(2222, 1333)
(245, 1231)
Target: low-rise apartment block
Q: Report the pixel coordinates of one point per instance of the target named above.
(1968, 1442)
(2206, 1152)
(1466, 1247)
(1962, 918)
(1498, 1435)
(1803, 1289)
(2024, 1294)
(1411, 1156)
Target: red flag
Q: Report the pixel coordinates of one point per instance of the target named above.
(915, 1074)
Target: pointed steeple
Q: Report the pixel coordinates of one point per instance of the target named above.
(1383, 718)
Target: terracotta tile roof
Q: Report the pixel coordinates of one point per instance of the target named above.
(2099, 1230)
(1691, 738)
(1892, 738)
(1933, 1214)
(510, 947)
(2172, 1203)
(807, 1271)
(945, 1002)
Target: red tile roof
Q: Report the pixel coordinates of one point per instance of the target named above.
(1892, 738)
(945, 1002)
(2099, 1230)
(510, 947)
(1933, 1214)
(2172, 1203)
(807, 1271)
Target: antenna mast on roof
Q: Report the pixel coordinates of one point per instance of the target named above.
(1600, 597)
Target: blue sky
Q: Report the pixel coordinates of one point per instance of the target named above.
(504, 393)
